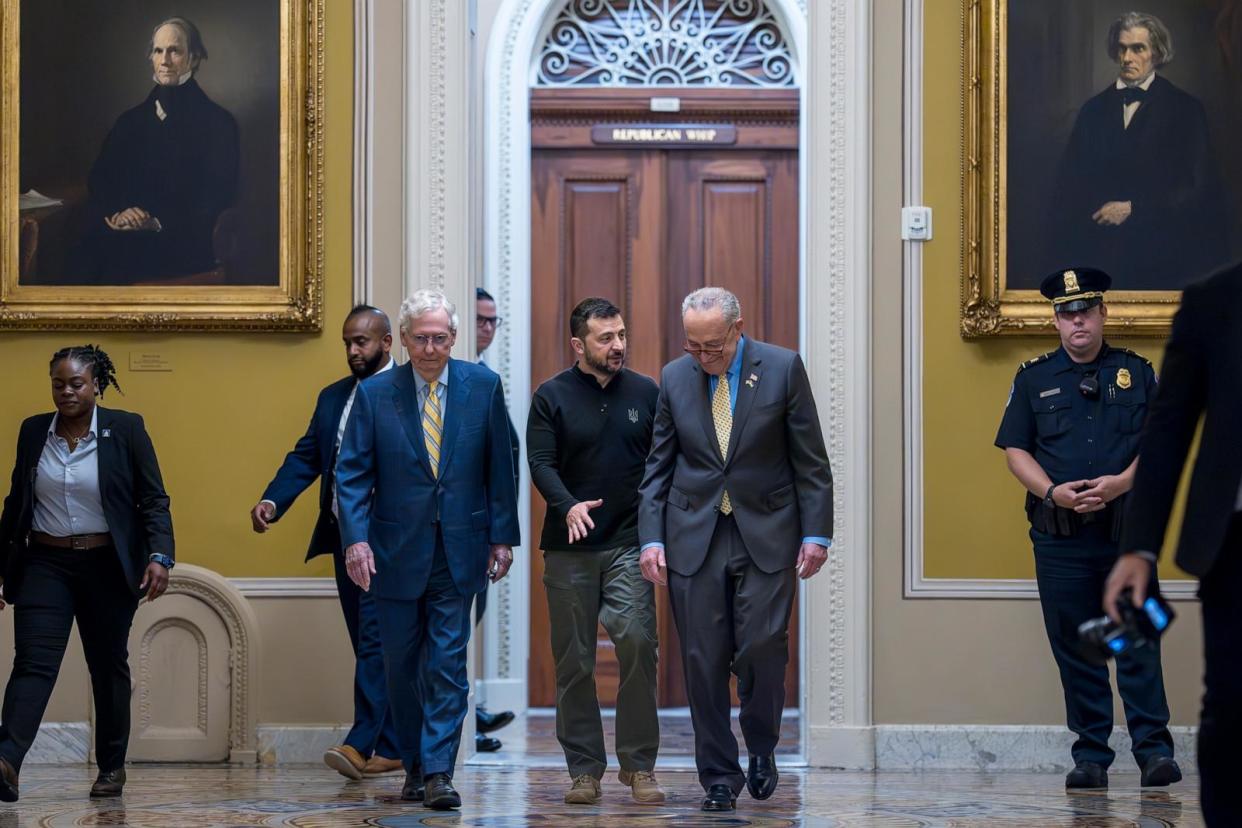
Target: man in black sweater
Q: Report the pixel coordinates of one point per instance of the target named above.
(587, 439)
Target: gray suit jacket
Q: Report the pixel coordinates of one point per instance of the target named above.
(777, 473)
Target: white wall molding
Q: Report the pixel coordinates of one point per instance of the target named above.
(286, 587)
(836, 234)
(364, 77)
(1006, 588)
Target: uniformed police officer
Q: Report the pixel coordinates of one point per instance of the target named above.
(1070, 434)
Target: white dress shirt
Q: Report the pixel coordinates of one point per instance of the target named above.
(1128, 110)
(67, 500)
(340, 428)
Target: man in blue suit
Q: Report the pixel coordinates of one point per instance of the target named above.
(370, 748)
(428, 515)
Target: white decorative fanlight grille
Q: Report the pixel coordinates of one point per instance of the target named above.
(729, 43)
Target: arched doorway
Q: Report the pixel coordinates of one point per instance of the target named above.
(835, 690)
(664, 157)
(726, 66)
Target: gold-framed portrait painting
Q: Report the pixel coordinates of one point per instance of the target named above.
(162, 164)
(1098, 133)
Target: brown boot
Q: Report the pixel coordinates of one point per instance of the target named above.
(643, 786)
(108, 784)
(345, 760)
(585, 791)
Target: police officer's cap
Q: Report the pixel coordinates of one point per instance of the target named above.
(1075, 289)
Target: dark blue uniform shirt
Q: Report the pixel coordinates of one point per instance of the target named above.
(1071, 436)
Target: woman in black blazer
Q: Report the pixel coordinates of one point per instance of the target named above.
(84, 533)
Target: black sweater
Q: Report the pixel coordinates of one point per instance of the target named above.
(585, 442)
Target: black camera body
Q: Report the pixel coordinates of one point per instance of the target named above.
(1100, 638)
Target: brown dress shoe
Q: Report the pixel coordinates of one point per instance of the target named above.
(108, 784)
(345, 760)
(8, 782)
(381, 766)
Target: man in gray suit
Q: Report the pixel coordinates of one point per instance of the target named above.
(736, 505)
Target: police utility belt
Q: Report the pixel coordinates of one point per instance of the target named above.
(1051, 519)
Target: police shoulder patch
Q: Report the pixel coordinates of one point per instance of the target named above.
(1035, 361)
(1134, 354)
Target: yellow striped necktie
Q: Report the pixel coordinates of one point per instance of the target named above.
(722, 415)
(433, 426)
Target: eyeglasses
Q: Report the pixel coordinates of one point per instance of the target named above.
(709, 351)
(485, 321)
(440, 341)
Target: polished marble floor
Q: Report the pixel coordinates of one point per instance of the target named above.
(211, 797)
(530, 741)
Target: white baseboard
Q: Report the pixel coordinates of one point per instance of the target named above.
(61, 743)
(502, 694)
(297, 744)
(849, 748)
(1001, 747)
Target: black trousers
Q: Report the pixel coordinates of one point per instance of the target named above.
(1220, 721)
(59, 586)
(732, 616)
(1071, 574)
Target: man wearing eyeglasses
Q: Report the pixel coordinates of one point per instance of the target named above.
(736, 505)
(1071, 435)
(428, 516)
(487, 322)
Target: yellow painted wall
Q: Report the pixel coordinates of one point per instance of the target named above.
(234, 403)
(974, 522)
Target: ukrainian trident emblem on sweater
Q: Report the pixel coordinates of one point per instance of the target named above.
(633, 415)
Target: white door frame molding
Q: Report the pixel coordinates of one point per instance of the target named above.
(835, 275)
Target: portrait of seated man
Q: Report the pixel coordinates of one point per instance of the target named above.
(164, 174)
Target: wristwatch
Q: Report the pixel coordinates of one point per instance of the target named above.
(163, 560)
(1049, 503)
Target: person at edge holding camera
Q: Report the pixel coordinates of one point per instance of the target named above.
(1070, 434)
(1202, 364)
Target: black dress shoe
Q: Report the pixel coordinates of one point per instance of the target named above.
(719, 798)
(1087, 775)
(440, 793)
(485, 722)
(108, 783)
(8, 782)
(761, 776)
(1160, 771)
(413, 790)
(486, 744)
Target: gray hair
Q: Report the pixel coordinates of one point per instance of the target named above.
(706, 298)
(423, 302)
(193, 40)
(1161, 40)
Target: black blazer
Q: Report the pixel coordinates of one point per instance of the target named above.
(1201, 378)
(313, 457)
(131, 489)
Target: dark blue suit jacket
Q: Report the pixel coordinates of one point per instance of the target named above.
(314, 456)
(473, 500)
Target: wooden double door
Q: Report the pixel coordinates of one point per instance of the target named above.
(643, 227)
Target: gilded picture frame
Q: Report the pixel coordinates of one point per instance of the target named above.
(1010, 154)
(281, 286)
